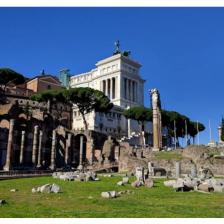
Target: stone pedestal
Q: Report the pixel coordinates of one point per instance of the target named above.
(53, 151)
(39, 160)
(35, 145)
(9, 155)
(151, 169)
(21, 156)
(193, 170)
(139, 173)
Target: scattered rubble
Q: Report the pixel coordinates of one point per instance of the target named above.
(47, 188)
(76, 176)
(196, 184)
(109, 194)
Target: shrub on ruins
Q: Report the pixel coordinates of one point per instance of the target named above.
(50, 97)
(87, 100)
(8, 77)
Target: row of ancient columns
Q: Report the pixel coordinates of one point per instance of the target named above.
(37, 148)
(109, 87)
(130, 89)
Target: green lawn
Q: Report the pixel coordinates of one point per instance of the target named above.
(159, 201)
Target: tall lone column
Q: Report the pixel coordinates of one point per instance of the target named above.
(53, 151)
(8, 164)
(156, 106)
(40, 150)
(21, 156)
(35, 145)
(67, 149)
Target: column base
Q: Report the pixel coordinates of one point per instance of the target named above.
(52, 167)
(155, 149)
(38, 166)
(80, 167)
(6, 168)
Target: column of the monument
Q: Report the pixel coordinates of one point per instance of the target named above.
(133, 92)
(136, 92)
(21, 156)
(131, 89)
(127, 89)
(115, 88)
(67, 149)
(81, 151)
(111, 88)
(106, 88)
(39, 160)
(53, 151)
(9, 155)
(35, 145)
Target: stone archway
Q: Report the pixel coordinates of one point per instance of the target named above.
(4, 131)
(79, 150)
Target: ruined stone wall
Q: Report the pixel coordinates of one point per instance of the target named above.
(200, 156)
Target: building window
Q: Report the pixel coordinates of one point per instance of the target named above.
(49, 87)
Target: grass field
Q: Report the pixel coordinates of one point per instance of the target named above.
(159, 201)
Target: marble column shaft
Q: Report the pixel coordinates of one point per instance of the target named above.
(35, 145)
(67, 149)
(81, 151)
(53, 151)
(9, 155)
(21, 157)
(39, 160)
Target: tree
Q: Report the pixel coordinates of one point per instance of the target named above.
(8, 76)
(87, 100)
(222, 130)
(194, 128)
(51, 97)
(141, 115)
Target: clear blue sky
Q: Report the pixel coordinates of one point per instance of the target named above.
(181, 49)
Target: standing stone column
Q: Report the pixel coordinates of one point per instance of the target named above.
(21, 156)
(131, 90)
(178, 169)
(35, 145)
(53, 151)
(40, 150)
(156, 120)
(136, 92)
(127, 89)
(111, 88)
(81, 151)
(106, 87)
(220, 134)
(133, 93)
(67, 149)
(9, 155)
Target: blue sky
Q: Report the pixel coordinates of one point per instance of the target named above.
(181, 49)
